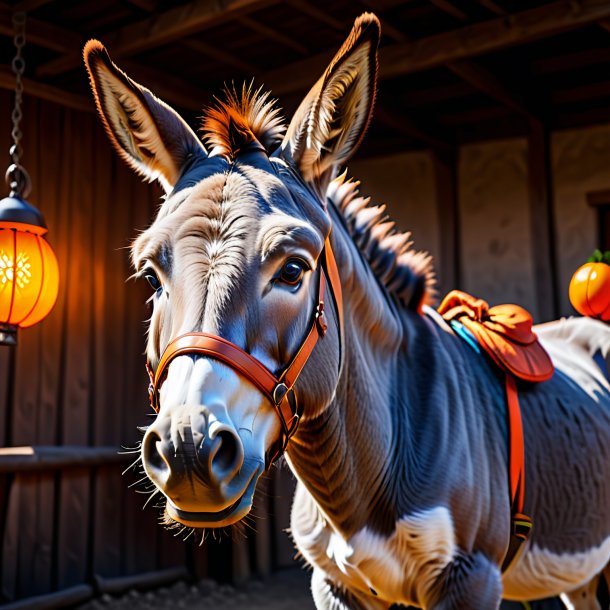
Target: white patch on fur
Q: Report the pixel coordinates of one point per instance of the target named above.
(542, 573)
(571, 343)
(399, 568)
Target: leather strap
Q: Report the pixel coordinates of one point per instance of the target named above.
(278, 389)
(516, 450)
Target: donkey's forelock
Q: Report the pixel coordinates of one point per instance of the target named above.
(241, 119)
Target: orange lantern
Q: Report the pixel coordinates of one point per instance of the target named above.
(29, 275)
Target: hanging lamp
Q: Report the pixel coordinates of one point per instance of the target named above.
(29, 275)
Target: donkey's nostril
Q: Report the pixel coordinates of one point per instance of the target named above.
(225, 454)
(154, 463)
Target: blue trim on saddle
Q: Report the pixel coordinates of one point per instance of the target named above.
(462, 332)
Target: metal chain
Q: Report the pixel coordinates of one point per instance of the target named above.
(16, 176)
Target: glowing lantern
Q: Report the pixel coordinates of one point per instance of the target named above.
(29, 276)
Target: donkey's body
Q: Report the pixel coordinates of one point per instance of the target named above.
(401, 451)
(421, 425)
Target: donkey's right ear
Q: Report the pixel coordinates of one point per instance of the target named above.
(148, 134)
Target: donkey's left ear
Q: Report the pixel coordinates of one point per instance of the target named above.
(330, 122)
(152, 137)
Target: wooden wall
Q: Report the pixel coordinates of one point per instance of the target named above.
(498, 243)
(78, 379)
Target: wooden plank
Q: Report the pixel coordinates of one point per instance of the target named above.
(542, 222)
(469, 41)
(445, 174)
(161, 29)
(490, 84)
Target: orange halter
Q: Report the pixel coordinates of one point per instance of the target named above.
(279, 389)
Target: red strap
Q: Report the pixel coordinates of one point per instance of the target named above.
(516, 452)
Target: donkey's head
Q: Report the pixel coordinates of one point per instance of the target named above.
(235, 260)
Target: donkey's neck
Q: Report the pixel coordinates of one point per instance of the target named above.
(347, 447)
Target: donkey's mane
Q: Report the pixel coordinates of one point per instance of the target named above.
(406, 273)
(250, 116)
(242, 118)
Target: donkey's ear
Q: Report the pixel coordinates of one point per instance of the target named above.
(330, 122)
(148, 134)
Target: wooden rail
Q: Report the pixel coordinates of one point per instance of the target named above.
(40, 458)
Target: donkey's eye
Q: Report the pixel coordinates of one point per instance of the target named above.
(292, 272)
(152, 279)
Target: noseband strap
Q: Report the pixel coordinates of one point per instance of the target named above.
(278, 389)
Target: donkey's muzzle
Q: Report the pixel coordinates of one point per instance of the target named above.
(196, 463)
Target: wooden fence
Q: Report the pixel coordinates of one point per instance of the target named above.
(74, 390)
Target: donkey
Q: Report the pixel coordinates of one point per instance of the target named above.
(281, 278)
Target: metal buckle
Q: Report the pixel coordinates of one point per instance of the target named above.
(522, 526)
(279, 393)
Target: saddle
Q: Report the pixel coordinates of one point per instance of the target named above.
(506, 335)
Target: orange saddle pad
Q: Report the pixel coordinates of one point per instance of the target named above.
(504, 332)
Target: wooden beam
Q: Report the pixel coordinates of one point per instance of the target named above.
(542, 222)
(160, 29)
(487, 82)
(470, 41)
(490, 36)
(41, 33)
(220, 55)
(446, 189)
(46, 92)
(21, 459)
(268, 32)
(450, 9)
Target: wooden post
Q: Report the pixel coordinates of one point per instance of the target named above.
(445, 175)
(542, 221)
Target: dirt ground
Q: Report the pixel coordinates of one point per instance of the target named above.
(285, 590)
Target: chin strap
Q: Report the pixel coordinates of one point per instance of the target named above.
(278, 389)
